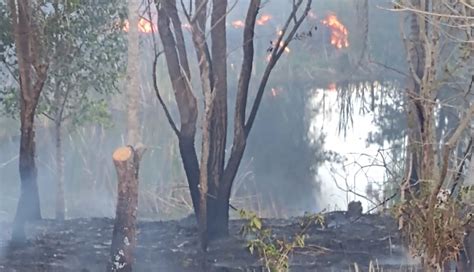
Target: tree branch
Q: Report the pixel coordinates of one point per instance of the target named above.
(160, 99)
(276, 54)
(449, 147)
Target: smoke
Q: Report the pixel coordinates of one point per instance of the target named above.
(281, 156)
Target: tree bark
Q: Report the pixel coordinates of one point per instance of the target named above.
(31, 85)
(126, 161)
(133, 81)
(60, 197)
(187, 105)
(210, 182)
(218, 124)
(28, 208)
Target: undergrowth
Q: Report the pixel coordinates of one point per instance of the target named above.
(434, 229)
(274, 253)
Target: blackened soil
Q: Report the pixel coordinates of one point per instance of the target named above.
(172, 246)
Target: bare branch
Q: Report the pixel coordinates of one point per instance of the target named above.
(160, 99)
(275, 56)
(449, 147)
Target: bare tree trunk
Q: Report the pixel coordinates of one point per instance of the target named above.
(60, 197)
(187, 104)
(28, 208)
(133, 80)
(32, 78)
(210, 182)
(217, 214)
(126, 161)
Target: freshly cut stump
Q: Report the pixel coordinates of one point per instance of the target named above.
(126, 161)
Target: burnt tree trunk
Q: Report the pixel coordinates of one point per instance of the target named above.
(126, 161)
(32, 77)
(175, 54)
(217, 215)
(210, 182)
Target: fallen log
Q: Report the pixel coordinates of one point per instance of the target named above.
(126, 161)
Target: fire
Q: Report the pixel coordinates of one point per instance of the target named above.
(287, 50)
(238, 24)
(264, 19)
(339, 33)
(144, 26)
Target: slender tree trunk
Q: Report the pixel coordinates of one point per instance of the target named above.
(133, 80)
(126, 161)
(187, 104)
(60, 197)
(31, 85)
(217, 217)
(28, 208)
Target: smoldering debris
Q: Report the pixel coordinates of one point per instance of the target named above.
(83, 245)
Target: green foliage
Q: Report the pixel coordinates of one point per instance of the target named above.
(96, 112)
(275, 253)
(85, 49)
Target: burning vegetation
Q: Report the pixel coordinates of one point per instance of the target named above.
(339, 33)
(230, 63)
(144, 26)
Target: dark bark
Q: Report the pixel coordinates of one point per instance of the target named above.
(32, 78)
(187, 106)
(126, 161)
(211, 182)
(217, 210)
(466, 260)
(28, 208)
(242, 130)
(191, 166)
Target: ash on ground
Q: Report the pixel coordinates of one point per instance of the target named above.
(172, 246)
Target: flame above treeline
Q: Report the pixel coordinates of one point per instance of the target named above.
(339, 32)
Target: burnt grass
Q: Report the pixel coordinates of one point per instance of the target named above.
(172, 246)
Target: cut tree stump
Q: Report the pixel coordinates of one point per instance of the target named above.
(126, 161)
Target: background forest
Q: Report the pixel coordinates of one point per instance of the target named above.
(326, 102)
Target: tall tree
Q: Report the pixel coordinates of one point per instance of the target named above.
(33, 74)
(210, 180)
(438, 55)
(73, 92)
(133, 80)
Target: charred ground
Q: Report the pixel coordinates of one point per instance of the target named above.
(84, 245)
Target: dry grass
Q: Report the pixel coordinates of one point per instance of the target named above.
(434, 230)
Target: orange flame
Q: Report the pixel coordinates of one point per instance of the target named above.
(260, 21)
(264, 19)
(238, 24)
(339, 33)
(144, 26)
(282, 44)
